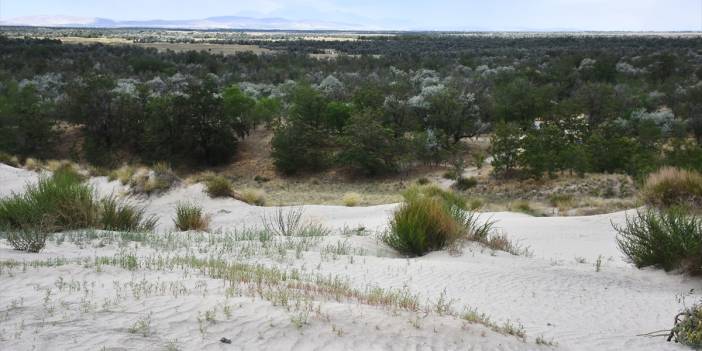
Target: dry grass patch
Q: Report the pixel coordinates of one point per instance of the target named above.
(670, 187)
(351, 199)
(253, 197)
(218, 186)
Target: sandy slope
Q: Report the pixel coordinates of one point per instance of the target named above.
(550, 294)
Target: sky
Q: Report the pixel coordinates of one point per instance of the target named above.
(631, 15)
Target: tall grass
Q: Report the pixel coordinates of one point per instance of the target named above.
(450, 198)
(669, 187)
(668, 239)
(121, 216)
(190, 217)
(62, 202)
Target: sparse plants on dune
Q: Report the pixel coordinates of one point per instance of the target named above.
(190, 216)
(63, 202)
(688, 327)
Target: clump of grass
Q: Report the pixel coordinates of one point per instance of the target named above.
(422, 224)
(351, 199)
(190, 217)
(56, 203)
(464, 184)
(218, 186)
(671, 187)
(688, 327)
(670, 239)
(9, 159)
(67, 169)
(290, 222)
(253, 197)
(115, 215)
(123, 174)
(32, 164)
(156, 180)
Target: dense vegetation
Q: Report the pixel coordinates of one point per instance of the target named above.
(551, 103)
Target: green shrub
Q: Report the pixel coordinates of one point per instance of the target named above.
(465, 183)
(422, 224)
(55, 203)
(190, 217)
(669, 187)
(668, 239)
(562, 201)
(688, 327)
(118, 216)
(218, 186)
(521, 206)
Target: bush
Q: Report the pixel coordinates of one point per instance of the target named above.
(668, 239)
(124, 217)
(671, 187)
(688, 329)
(190, 217)
(422, 224)
(253, 197)
(156, 180)
(521, 206)
(351, 199)
(32, 164)
(463, 184)
(561, 201)
(218, 186)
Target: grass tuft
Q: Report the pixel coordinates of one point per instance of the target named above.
(351, 199)
(254, 197)
(190, 217)
(118, 216)
(218, 186)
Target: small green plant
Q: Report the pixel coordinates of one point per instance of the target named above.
(423, 181)
(670, 239)
(688, 327)
(464, 184)
(479, 159)
(142, 326)
(450, 198)
(190, 217)
(541, 340)
(351, 199)
(218, 186)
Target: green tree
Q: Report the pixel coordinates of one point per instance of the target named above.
(25, 121)
(504, 146)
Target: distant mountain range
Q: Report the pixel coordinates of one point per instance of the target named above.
(222, 22)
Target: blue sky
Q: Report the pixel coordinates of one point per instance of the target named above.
(407, 14)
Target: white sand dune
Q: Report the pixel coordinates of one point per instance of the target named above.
(550, 293)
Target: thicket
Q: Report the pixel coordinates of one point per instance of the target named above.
(554, 103)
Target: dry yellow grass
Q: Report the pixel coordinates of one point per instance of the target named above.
(671, 186)
(351, 199)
